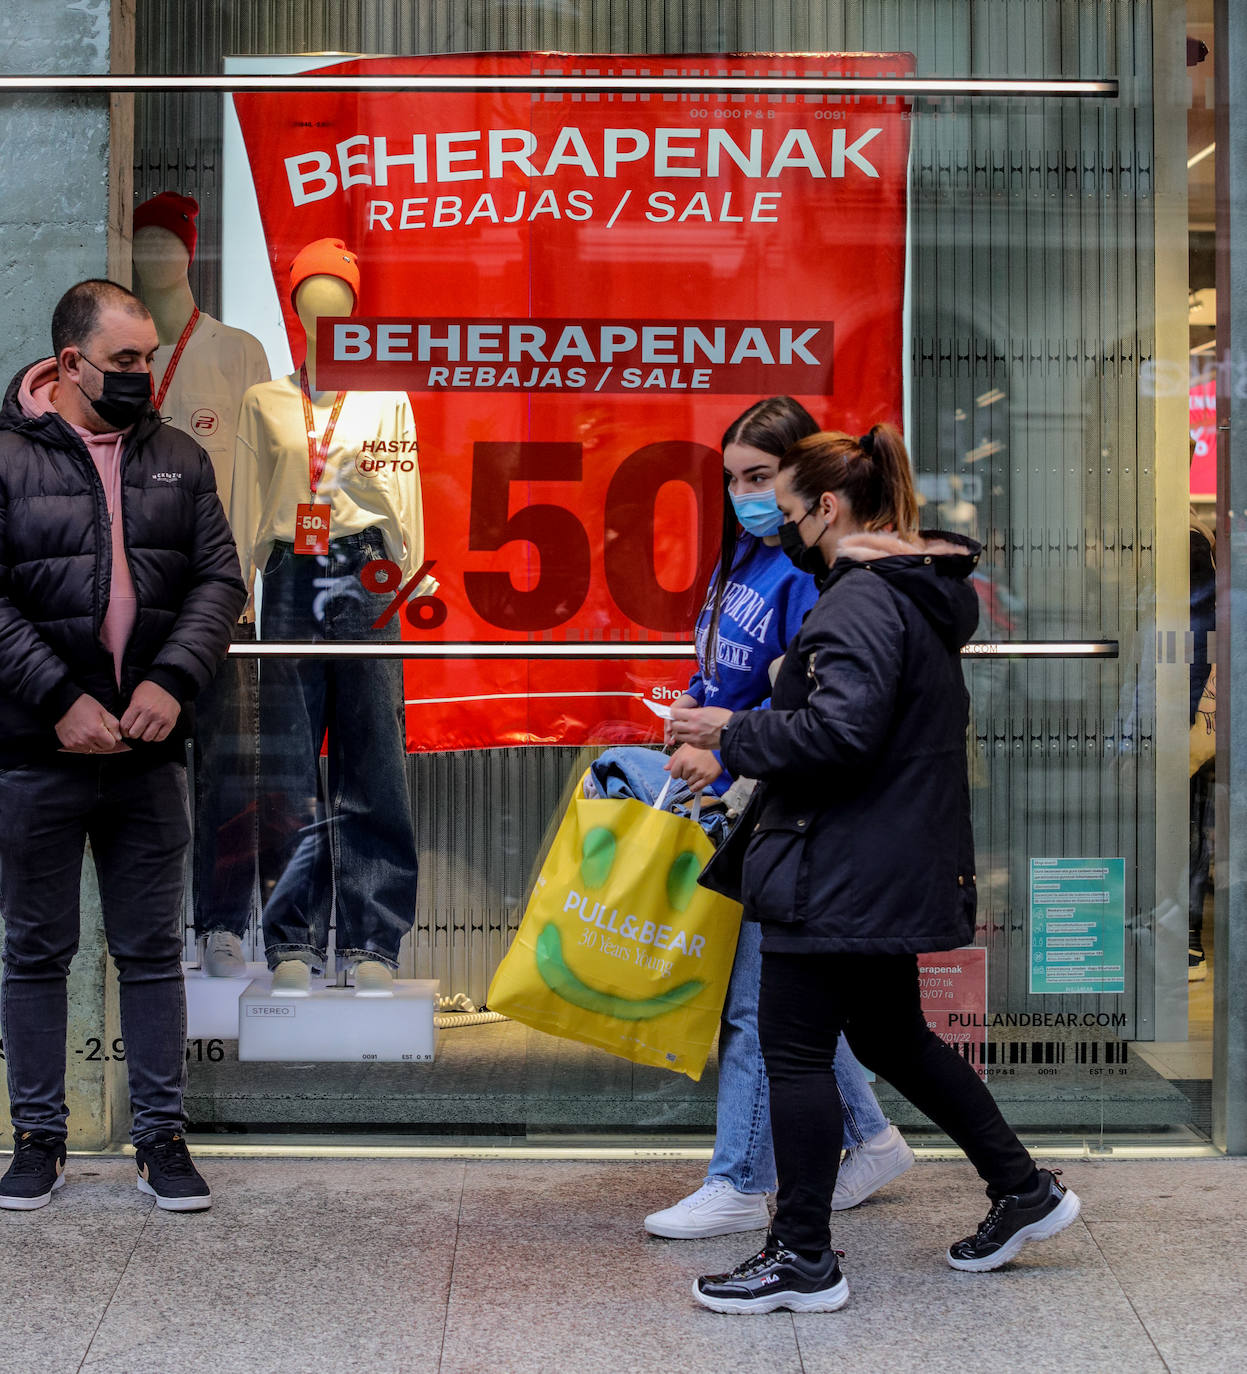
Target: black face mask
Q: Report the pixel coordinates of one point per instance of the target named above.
(124, 399)
(808, 557)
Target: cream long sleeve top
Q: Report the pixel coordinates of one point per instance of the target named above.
(216, 368)
(371, 477)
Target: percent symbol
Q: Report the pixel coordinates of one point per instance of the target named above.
(422, 612)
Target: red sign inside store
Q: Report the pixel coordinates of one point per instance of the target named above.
(580, 292)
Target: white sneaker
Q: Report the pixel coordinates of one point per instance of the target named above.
(292, 978)
(373, 979)
(715, 1209)
(869, 1166)
(222, 955)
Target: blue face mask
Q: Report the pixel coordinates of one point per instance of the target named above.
(758, 512)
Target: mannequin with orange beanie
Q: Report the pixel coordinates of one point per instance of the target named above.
(324, 484)
(200, 372)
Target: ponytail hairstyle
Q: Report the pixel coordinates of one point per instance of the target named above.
(871, 473)
(773, 425)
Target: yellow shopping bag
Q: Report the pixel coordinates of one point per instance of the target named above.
(619, 947)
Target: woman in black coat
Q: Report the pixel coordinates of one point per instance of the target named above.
(856, 854)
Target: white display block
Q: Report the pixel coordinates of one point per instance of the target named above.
(212, 1003)
(332, 1025)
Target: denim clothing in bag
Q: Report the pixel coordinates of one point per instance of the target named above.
(634, 771)
(352, 849)
(226, 765)
(742, 1145)
(136, 816)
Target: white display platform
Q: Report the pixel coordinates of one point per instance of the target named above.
(332, 1025)
(212, 1003)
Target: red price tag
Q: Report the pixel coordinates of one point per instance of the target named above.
(311, 528)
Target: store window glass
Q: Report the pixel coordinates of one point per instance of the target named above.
(464, 358)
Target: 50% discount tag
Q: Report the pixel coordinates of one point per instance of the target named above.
(423, 610)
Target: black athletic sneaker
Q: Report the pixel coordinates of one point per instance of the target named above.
(37, 1171)
(1015, 1219)
(167, 1172)
(776, 1277)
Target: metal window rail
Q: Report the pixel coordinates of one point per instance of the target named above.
(614, 649)
(907, 86)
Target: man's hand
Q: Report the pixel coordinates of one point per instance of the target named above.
(87, 728)
(698, 767)
(151, 714)
(700, 726)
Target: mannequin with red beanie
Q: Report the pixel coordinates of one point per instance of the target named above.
(324, 484)
(201, 371)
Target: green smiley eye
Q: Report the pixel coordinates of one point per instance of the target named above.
(597, 856)
(682, 879)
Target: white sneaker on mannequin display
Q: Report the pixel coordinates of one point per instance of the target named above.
(373, 979)
(715, 1209)
(292, 978)
(868, 1167)
(222, 955)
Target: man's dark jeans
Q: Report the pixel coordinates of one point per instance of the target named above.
(352, 847)
(135, 815)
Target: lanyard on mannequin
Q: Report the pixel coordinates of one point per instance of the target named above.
(317, 452)
(177, 357)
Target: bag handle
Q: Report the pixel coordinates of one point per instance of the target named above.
(662, 797)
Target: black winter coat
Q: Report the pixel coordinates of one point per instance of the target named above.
(858, 839)
(56, 567)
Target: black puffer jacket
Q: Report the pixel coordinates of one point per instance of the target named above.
(859, 839)
(56, 567)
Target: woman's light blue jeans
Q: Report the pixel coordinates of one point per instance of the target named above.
(742, 1141)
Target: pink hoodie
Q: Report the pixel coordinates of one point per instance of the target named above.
(35, 398)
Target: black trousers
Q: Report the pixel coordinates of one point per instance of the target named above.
(806, 1000)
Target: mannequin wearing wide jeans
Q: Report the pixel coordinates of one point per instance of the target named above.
(353, 843)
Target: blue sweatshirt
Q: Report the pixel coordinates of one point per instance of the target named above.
(764, 603)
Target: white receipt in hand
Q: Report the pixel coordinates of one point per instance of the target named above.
(658, 708)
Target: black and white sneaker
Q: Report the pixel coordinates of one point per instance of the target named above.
(37, 1171)
(167, 1173)
(773, 1278)
(1015, 1219)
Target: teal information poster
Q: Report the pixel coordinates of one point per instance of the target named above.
(1078, 925)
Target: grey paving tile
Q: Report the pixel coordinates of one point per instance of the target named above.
(585, 1289)
(1186, 1282)
(1058, 1306)
(62, 1263)
(1163, 1191)
(341, 1265)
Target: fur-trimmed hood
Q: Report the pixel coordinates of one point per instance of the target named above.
(931, 568)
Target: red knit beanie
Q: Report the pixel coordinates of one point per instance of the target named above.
(325, 258)
(173, 212)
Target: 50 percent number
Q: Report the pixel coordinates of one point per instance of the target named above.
(631, 550)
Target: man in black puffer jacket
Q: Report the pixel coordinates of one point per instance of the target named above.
(119, 586)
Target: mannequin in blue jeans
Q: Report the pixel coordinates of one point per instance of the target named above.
(756, 602)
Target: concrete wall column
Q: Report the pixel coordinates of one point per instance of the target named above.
(64, 196)
(1230, 993)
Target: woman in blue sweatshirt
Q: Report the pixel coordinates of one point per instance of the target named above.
(756, 603)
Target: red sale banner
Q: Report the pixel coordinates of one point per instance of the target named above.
(580, 292)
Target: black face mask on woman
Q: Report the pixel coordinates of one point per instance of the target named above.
(808, 557)
(125, 397)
